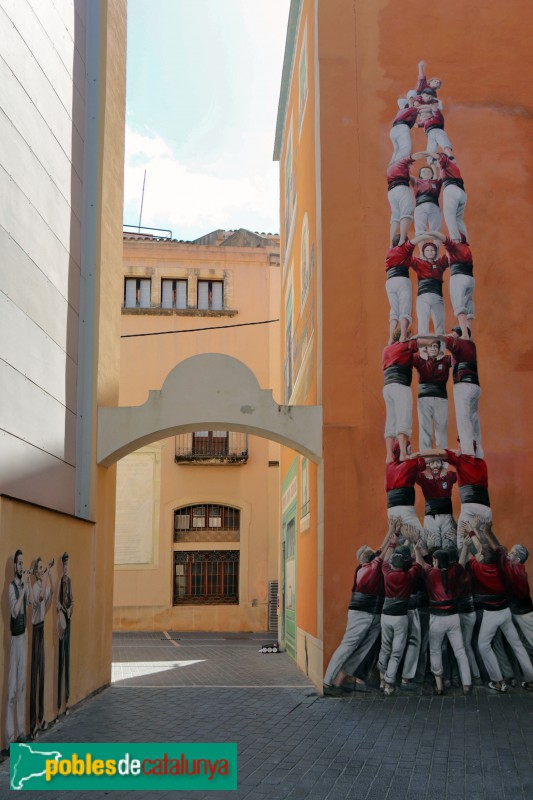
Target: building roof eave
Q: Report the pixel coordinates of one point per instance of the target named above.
(290, 46)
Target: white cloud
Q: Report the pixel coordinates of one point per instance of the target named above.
(242, 190)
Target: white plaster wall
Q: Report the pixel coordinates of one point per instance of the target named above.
(42, 113)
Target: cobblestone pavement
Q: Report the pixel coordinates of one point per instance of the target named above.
(292, 743)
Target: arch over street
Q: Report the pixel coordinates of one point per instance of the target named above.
(208, 392)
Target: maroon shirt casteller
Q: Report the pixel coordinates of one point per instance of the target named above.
(430, 269)
(447, 600)
(439, 487)
(398, 173)
(488, 582)
(470, 470)
(463, 352)
(402, 474)
(399, 583)
(514, 576)
(368, 578)
(399, 354)
(399, 258)
(432, 370)
(406, 116)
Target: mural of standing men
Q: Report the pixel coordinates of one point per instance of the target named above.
(65, 607)
(19, 599)
(41, 596)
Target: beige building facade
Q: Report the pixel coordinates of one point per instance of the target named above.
(197, 527)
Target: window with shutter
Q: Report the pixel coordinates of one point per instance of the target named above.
(211, 295)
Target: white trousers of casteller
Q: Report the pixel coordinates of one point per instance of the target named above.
(441, 531)
(430, 306)
(399, 409)
(468, 623)
(469, 511)
(492, 622)
(453, 208)
(408, 516)
(394, 631)
(427, 217)
(432, 411)
(466, 399)
(357, 627)
(400, 136)
(524, 623)
(449, 626)
(414, 640)
(462, 295)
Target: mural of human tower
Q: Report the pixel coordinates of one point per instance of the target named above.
(424, 187)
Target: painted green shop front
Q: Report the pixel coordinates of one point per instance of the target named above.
(289, 489)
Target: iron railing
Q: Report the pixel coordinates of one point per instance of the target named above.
(228, 447)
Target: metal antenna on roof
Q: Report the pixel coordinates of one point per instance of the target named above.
(142, 201)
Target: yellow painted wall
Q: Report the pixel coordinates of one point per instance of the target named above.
(143, 593)
(41, 532)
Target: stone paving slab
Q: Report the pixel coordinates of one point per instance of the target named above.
(294, 744)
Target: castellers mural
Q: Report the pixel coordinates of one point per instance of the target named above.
(439, 603)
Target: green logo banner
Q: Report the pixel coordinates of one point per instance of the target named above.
(171, 765)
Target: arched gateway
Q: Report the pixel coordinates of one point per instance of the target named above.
(208, 391)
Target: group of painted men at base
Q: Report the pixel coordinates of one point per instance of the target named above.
(411, 596)
(37, 596)
(420, 195)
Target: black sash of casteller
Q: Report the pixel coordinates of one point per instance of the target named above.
(439, 126)
(470, 372)
(454, 182)
(461, 268)
(425, 197)
(471, 493)
(398, 272)
(398, 374)
(397, 182)
(443, 608)
(429, 286)
(520, 606)
(432, 390)
(404, 496)
(366, 602)
(403, 122)
(490, 602)
(395, 607)
(438, 505)
(466, 604)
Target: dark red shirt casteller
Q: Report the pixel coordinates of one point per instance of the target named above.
(487, 577)
(398, 172)
(401, 474)
(399, 256)
(436, 120)
(399, 354)
(436, 591)
(432, 370)
(406, 116)
(399, 583)
(463, 352)
(448, 168)
(514, 576)
(430, 269)
(369, 578)
(470, 470)
(429, 188)
(459, 252)
(439, 487)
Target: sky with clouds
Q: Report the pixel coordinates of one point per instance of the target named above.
(203, 86)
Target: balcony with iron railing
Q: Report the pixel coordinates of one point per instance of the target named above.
(211, 448)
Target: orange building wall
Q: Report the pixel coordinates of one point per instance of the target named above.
(307, 387)
(368, 54)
